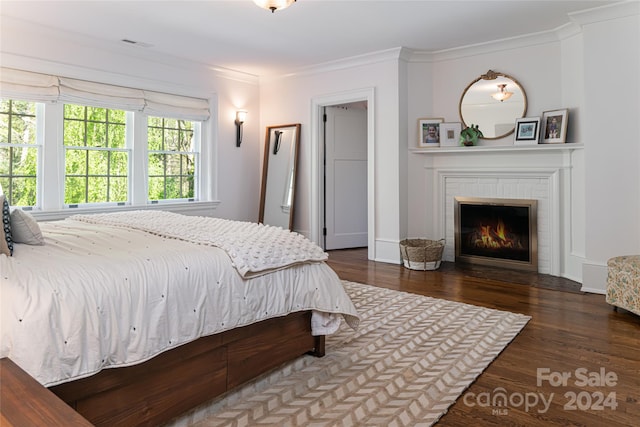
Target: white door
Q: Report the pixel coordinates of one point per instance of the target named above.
(345, 177)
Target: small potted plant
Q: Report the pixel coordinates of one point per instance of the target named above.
(469, 135)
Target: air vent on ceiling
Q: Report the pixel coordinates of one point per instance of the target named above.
(136, 43)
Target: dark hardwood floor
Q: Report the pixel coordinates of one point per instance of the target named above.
(570, 333)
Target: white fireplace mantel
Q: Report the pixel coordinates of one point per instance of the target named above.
(476, 149)
(544, 172)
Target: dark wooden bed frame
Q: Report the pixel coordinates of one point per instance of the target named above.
(159, 390)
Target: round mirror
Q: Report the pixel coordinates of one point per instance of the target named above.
(493, 101)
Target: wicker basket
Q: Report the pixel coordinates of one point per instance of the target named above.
(421, 254)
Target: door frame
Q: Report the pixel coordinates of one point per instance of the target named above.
(317, 157)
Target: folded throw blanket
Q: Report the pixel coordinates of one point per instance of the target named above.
(254, 249)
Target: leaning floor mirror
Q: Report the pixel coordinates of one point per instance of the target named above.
(277, 195)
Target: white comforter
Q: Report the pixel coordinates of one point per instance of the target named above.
(253, 248)
(97, 296)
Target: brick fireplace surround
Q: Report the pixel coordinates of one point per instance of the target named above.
(542, 173)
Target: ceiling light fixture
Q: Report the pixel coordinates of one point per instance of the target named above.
(502, 93)
(274, 5)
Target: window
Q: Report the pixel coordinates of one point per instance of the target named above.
(93, 146)
(172, 159)
(18, 151)
(96, 155)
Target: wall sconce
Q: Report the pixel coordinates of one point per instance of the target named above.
(241, 116)
(502, 93)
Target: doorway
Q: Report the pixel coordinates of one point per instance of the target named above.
(345, 176)
(317, 200)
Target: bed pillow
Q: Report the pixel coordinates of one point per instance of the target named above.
(6, 242)
(25, 228)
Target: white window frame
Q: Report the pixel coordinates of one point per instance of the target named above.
(37, 145)
(51, 166)
(128, 149)
(197, 139)
(50, 91)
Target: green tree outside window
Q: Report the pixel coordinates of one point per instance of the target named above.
(96, 157)
(18, 151)
(172, 159)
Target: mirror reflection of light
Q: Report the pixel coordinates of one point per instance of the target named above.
(502, 94)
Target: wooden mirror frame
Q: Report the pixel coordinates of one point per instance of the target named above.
(493, 75)
(269, 194)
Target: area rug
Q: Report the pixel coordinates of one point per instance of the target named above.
(407, 363)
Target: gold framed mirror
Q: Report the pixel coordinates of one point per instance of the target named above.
(493, 101)
(277, 195)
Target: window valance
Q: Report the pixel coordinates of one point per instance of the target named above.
(24, 84)
(19, 84)
(100, 95)
(180, 107)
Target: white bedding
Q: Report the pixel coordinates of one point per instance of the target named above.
(253, 248)
(84, 302)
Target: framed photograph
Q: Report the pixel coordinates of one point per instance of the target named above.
(554, 126)
(450, 134)
(429, 132)
(527, 131)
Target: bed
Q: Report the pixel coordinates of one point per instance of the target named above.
(132, 318)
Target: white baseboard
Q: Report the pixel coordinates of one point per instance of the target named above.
(594, 278)
(388, 251)
(593, 290)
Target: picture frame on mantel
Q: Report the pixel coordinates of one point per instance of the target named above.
(527, 131)
(450, 134)
(554, 126)
(429, 132)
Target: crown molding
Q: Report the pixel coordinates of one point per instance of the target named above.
(605, 13)
(136, 53)
(487, 47)
(570, 29)
(573, 28)
(393, 54)
(45, 66)
(578, 20)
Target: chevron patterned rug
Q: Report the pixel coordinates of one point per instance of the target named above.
(408, 362)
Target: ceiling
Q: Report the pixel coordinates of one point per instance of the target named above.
(237, 35)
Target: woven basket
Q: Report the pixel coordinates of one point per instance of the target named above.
(421, 254)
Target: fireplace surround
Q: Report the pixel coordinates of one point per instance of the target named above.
(497, 232)
(549, 173)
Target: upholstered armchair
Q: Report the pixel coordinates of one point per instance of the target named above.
(623, 282)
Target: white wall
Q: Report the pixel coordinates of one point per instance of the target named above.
(612, 156)
(420, 77)
(537, 65)
(573, 88)
(575, 67)
(437, 84)
(238, 186)
(289, 100)
(578, 69)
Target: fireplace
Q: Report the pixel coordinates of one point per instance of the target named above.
(496, 232)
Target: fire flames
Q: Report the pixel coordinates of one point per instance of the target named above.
(489, 237)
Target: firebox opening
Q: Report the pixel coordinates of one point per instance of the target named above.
(498, 232)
